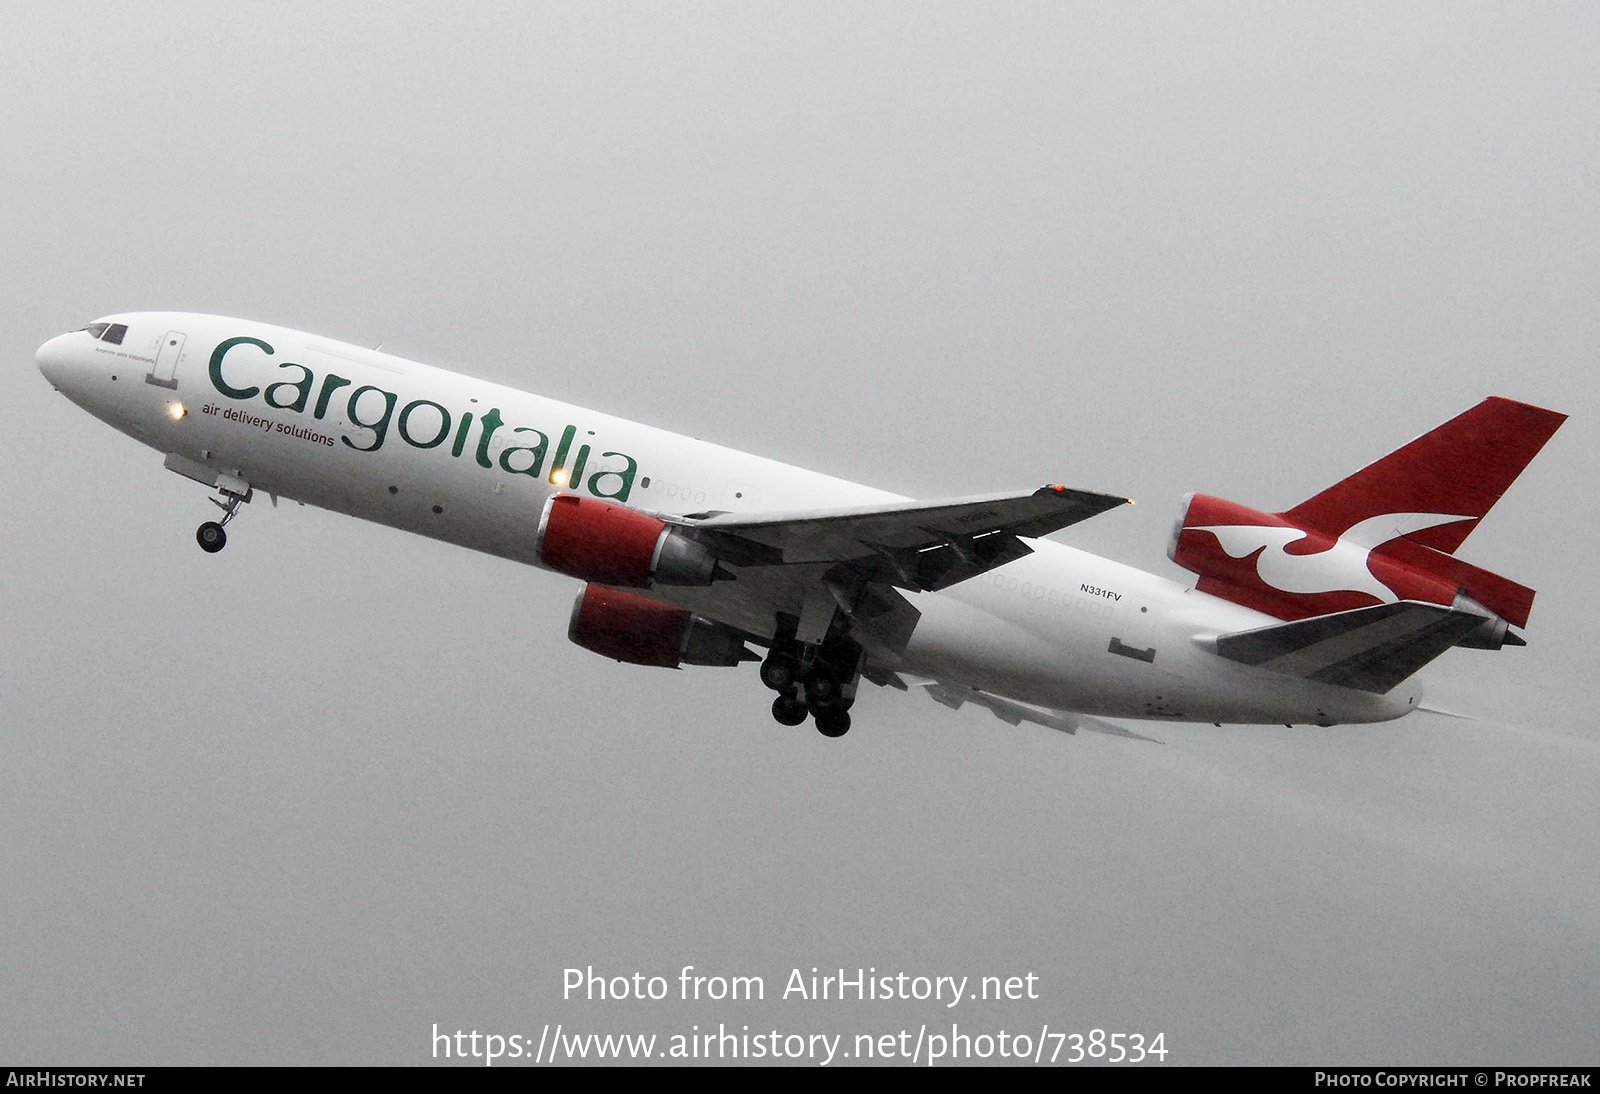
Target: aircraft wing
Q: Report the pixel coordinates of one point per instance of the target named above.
(810, 563)
(920, 546)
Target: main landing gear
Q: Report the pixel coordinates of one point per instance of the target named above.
(210, 535)
(788, 710)
(814, 681)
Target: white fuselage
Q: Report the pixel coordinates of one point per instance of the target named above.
(472, 462)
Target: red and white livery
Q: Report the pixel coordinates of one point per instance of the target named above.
(695, 554)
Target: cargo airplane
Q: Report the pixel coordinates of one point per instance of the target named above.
(695, 554)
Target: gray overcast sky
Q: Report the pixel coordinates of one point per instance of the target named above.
(299, 801)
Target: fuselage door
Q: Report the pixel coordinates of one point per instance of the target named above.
(1134, 635)
(164, 371)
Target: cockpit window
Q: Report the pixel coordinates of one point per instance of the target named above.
(108, 332)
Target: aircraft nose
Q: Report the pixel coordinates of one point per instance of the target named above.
(55, 359)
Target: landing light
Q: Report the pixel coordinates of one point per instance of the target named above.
(558, 478)
(176, 411)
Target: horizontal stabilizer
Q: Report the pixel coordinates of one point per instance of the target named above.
(1372, 649)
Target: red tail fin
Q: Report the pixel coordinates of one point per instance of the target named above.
(1462, 468)
(1386, 533)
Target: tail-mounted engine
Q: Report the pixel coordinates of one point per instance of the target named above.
(1388, 532)
(1276, 565)
(628, 627)
(614, 545)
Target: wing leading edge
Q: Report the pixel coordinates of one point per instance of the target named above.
(921, 546)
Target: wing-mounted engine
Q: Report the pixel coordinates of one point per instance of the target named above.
(615, 545)
(627, 627)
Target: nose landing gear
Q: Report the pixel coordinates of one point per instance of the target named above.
(210, 535)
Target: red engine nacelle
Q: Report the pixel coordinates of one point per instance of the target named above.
(628, 627)
(615, 545)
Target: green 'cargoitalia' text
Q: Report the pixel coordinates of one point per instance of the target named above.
(424, 423)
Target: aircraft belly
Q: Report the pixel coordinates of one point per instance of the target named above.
(1013, 640)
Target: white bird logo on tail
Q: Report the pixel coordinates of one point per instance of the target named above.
(1341, 568)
